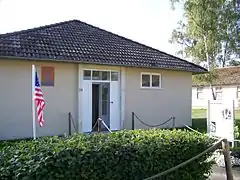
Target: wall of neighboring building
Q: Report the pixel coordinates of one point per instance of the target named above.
(15, 95)
(155, 106)
(229, 92)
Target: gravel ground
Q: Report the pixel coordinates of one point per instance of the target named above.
(219, 173)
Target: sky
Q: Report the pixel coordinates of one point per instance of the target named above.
(147, 21)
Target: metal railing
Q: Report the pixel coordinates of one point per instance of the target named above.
(98, 124)
(150, 125)
(70, 123)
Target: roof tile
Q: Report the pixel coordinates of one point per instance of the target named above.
(225, 76)
(76, 41)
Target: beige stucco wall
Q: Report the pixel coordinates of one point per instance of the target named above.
(152, 106)
(155, 106)
(15, 99)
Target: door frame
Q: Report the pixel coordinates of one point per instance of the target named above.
(121, 82)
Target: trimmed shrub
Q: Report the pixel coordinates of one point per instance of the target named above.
(123, 155)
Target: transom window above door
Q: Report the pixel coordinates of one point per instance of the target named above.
(97, 75)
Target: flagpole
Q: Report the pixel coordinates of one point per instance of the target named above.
(33, 102)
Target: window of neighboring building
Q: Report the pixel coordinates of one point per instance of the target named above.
(200, 94)
(150, 80)
(218, 92)
(238, 92)
(47, 76)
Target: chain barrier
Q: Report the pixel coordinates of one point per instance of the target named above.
(157, 125)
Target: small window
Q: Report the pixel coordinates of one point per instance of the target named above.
(149, 80)
(114, 76)
(200, 94)
(238, 92)
(87, 75)
(218, 93)
(47, 76)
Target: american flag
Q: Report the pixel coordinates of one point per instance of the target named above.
(39, 100)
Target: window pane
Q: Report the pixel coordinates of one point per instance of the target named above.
(218, 95)
(114, 76)
(87, 75)
(105, 108)
(218, 89)
(199, 89)
(238, 92)
(155, 81)
(145, 80)
(105, 75)
(200, 93)
(96, 75)
(238, 95)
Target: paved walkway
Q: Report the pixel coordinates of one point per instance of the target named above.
(219, 173)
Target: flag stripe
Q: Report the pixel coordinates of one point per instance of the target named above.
(39, 100)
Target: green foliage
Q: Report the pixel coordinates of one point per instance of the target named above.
(208, 78)
(208, 34)
(207, 25)
(236, 129)
(122, 155)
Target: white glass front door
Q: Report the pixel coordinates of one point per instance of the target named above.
(100, 97)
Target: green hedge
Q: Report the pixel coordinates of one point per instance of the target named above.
(123, 155)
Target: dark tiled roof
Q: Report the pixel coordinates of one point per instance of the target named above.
(225, 76)
(76, 41)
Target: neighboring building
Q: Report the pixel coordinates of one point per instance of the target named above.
(226, 87)
(91, 73)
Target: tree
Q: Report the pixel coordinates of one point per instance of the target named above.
(208, 34)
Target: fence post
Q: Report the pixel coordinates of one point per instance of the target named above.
(69, 124)
(227, 159)
(98, 125)
(174, 121)
(132, 120)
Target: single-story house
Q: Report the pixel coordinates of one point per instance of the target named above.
(91, 73)
(225, 87)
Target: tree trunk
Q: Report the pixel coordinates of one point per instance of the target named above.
(208, 64)
(206, 51)
(213, 93)
(224, 55)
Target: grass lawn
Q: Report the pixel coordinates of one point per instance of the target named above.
(199, 119)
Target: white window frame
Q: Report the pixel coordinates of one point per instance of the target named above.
(200, 92)
(219, 89)
(151, 74)
(100, 70)
(238, 92)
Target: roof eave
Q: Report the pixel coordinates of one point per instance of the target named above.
(84, 62)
